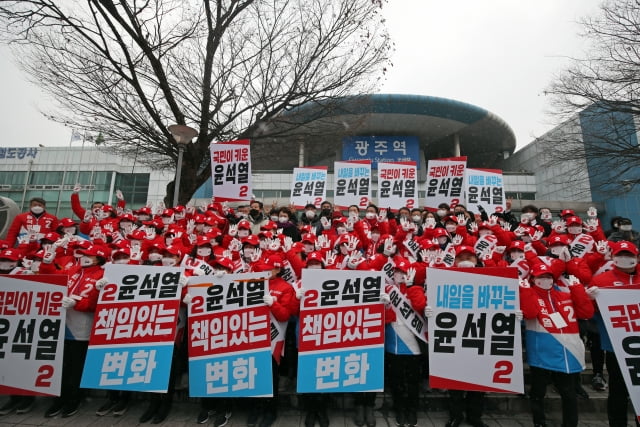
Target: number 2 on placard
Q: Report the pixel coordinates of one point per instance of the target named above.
(244, 190)
(504, 368)
(45, 373)
(310, 298)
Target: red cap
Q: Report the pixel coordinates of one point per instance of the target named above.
(252, 240)
(224, 262)
(623, 246)
(315, 256)
(127, 217)
(137, 235)
(558, 239)
(428, 244)
(173, 250)
(167, 212)
(573, 220)
(213, 233)
(244, 224)
(11, 254)
(199, 219)
(540, 269)
(67, 222)
(566, 212)
(450, 218)
(402, 264)
(269, 225)
(275, 261)
(93, 251)
(203, 240)
(465, 249)
(179, 208)
(266, 234)
(516, 244)
(309, 237)
(337, 214)
(439, 232)
(107, 208)
(121, 251)
(80, 243)
(38, 254)
(51, 236)
(144, 210)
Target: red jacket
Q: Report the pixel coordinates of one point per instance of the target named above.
(47, 222)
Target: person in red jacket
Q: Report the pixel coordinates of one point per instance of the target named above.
(35, 223)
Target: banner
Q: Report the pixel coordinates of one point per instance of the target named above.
(134, 330)
(380, 149)
(229, 336)
(309, 185)
(352, 184)
(32, 324)
(341, 332)
(231, 171)
(484, 187)
(474, 325)
(620, 310)
(445, 179)
(397, 185)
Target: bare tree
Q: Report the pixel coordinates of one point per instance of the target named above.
(230, 68)
(597, 98)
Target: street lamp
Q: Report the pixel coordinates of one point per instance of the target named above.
(183, 136)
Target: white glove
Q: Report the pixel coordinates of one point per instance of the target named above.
(350, 223)
(428, 312)
(602, 247)
(287, 243)
(389, 247)
(219, 273)
(519, 231)
(438, 257)
(493, 220)
(68, 302)
(329, 258)
(352, 243)
(233, 230)
(326, 224)
(500, 249)
(591, 225)
(524, 283)
(191, 225)
(456, 240)
(49, 256)
(565, 255)
(592, 292)
(382, 216)
(462, 220)
(187, 299)
(235, 245)
(322, 242)
(573, 280)
(559, 226)
(160, 207)
(119, 195)
(100, 283)
(192, 238)
(136, 254)
(506, 226)
(256, 255)
(354, 260)
(592, 212)
(183, 280)
(384, 298)
(430, 223)
(300, 292)
(473, 227)
(268, 299)
(411, 274)
(537, 236)
(77, 188)
(519, 315)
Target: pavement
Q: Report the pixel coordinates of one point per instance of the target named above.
(185, 410)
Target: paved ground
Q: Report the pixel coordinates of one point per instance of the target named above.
(184, 413)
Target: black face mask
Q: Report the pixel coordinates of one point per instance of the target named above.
(254, 213)
(326, 212)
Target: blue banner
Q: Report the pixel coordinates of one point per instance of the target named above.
(381, 149)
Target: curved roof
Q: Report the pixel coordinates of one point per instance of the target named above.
(483, 136)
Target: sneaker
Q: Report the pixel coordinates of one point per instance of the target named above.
(222, 419)
(399, 419)
(70, 409)
(106, 408)
(369, 417)
(598, 382)
(25, 404)
(121, 407)
(10, 406)
(203, 416)
(411, 419)
(54, 410)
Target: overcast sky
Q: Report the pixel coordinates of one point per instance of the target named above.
(496, 54)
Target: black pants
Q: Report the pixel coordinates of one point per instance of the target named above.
(618, 398)
(75, 353)
(471, 402)
(565, 383)
(365, 399)
(405, 377)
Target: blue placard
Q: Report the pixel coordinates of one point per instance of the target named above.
(233, 375)
(134, 368)
(381, 149)
(352, 370)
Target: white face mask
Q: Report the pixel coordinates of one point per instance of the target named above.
(69, 230)
(625, 261)
(243, 233)
(7, 265)
(168, 261)
(283, 219)
(315, 267)
(310, 214)
(575, 229)
(150, 233)
(556, 249)
(248, 252)
(85, 261)
(442, 240)
(451, 228)
(126, 226)
(465, 264)
(203, 251)
(416, 218)
(166, 220)
(375, 236)
(274, 218)
(121, 261)
(517, 255)
(543, 282)
(545, 215)
(370, 215)
(37, 210)
(626, 227)
(155, 257)
(399, 277)
(442, 212)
